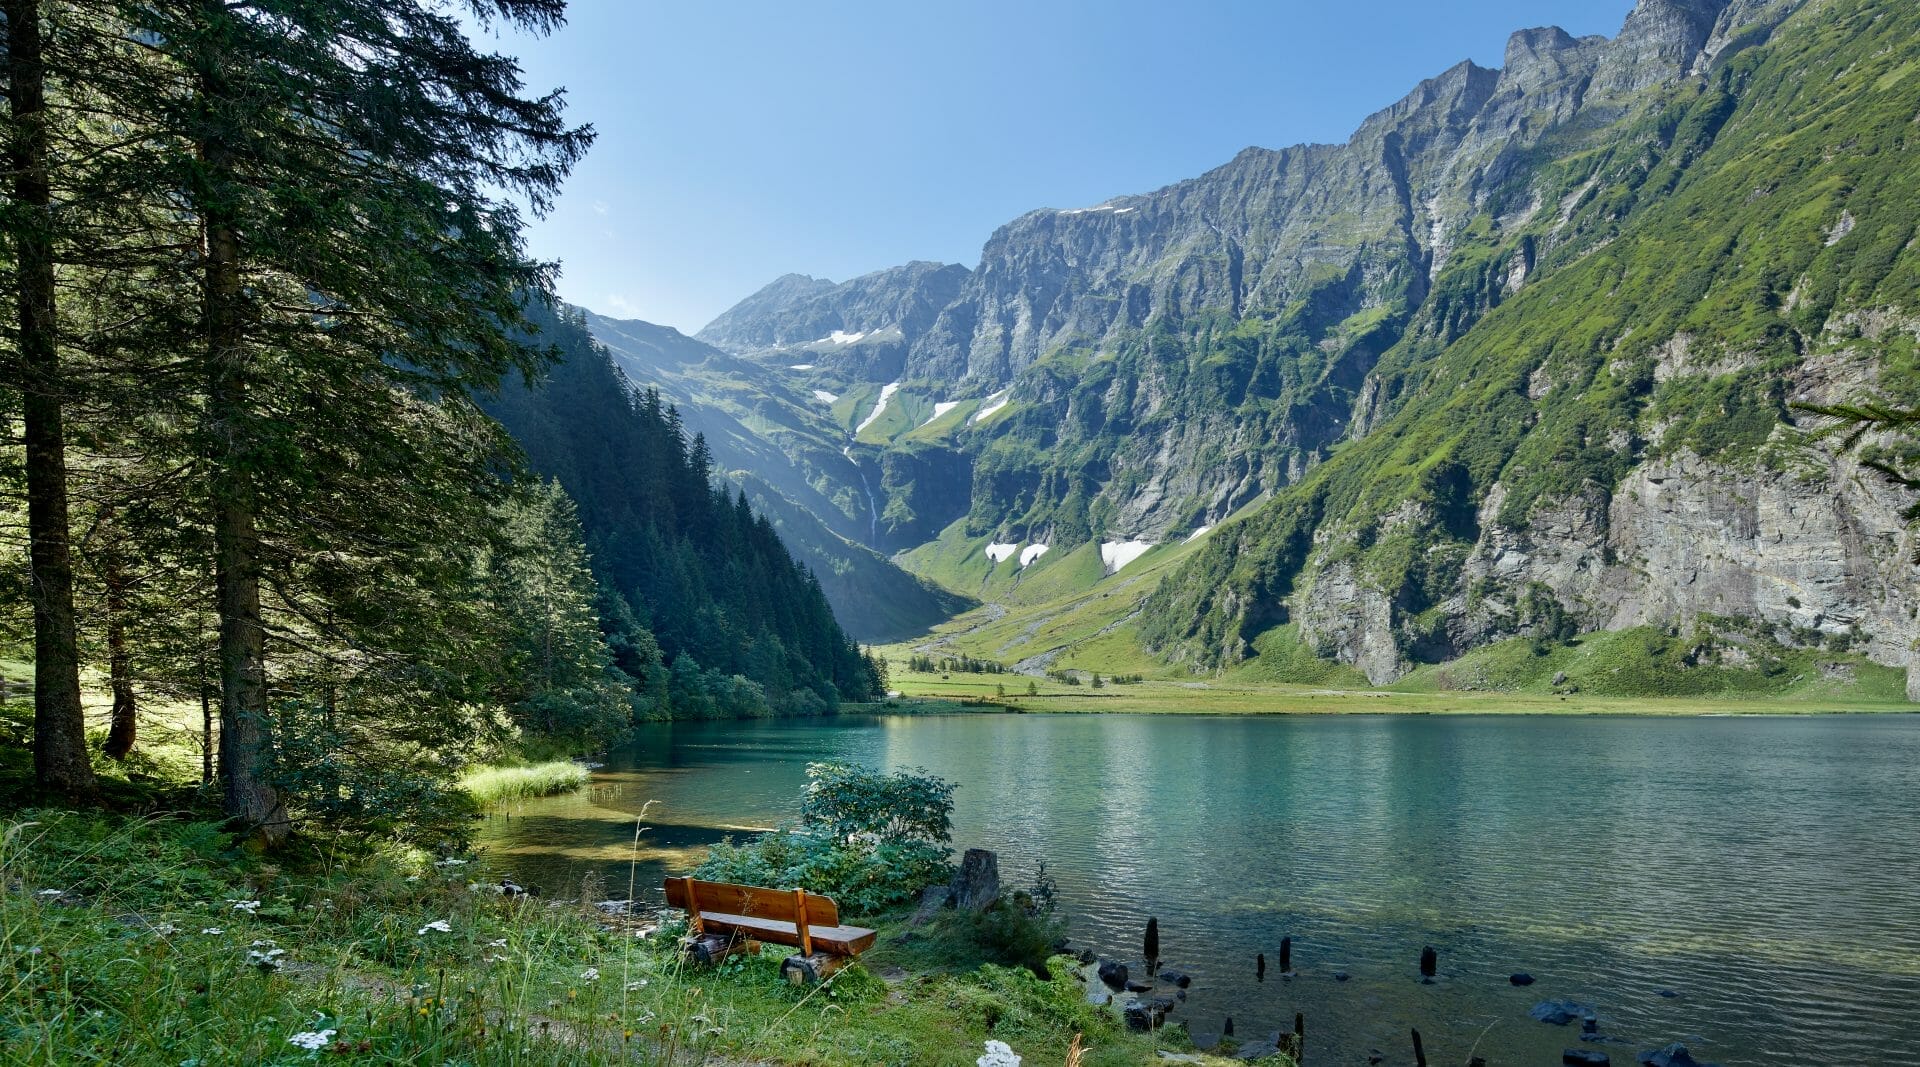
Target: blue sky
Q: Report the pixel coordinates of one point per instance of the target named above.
(743, 140)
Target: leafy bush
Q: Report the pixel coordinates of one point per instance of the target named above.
(905, 806)
(870, 841)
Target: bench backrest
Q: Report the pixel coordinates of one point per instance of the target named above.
(781, 905)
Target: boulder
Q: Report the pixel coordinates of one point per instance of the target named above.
(1674, 1055)
(976, 885)
(932, 899)
(1113, 974)
(1341, 976)
(1258, 1050)
(1135, 985)
(1585, 1057)
(1520, 978)
(1562, 1012)
(1147, 1013)
(1177, 977)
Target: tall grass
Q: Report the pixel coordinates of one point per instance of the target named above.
(499, 785)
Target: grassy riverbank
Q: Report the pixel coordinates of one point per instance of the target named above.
(155, 940)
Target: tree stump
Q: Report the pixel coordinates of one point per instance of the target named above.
(810, 970)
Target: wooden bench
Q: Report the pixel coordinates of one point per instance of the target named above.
(724, 918)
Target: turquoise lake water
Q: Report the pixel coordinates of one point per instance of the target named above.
(1765, 871)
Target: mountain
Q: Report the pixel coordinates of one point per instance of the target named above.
(782, 447)
(862, 328)
(1518, 361)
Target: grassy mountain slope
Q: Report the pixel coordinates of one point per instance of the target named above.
(1745, 241)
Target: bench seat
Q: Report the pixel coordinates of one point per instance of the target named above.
(839, 940)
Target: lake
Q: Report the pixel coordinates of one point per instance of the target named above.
(1763, 872)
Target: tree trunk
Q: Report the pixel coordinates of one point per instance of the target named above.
(246, 729)
(121, 735)
(60, 761)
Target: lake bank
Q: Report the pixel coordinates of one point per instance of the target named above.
(922, 693)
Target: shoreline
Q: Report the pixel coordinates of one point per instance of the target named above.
(971, 696)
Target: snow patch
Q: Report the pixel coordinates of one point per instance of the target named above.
(1117, 554)
(801, 366)
(879, 406)
(1197, 534)
(1000, 553)
(941, 408)
(841, 337)
(1110, 208)
(994, 404)
(824, 397)
(1031, 553)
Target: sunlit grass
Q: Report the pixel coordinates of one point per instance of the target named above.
(500, 785)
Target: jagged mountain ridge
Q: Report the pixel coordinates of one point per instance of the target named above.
(1168, 359)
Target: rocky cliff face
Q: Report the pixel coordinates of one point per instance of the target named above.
(861, 328)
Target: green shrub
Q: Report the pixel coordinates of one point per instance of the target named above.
(870, 841)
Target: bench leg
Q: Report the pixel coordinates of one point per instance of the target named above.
(810, 970)
(712, 948)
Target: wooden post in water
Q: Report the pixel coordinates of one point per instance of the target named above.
(1299, 1038)
(1227, 1030)
(1260, 967)
(1286, 955)
(1152, 947)
(1419, 1054)
(1429, 962)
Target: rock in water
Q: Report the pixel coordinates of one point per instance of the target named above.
(1113, 975)
(976, 885)
(1674, 1055)
(1258, 1050)
(1429, 962)
(1521, 978)
(1585, 1057)
(1562, 1012)
(1177, 977)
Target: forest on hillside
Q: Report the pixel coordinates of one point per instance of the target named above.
(271, 305)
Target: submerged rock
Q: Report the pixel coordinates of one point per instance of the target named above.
(1562, 1012)
(1585, 1057)
(1177, 977)
(1258, 1050)
(1674, 1055)
(1520, 978)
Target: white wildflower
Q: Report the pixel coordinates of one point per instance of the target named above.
(640, 983)
(248, 906)
(494, 959)
(413, 877)
(213, 930)
(591, 974)
(498, 942)
(312, 1040)
(268, 960)
(450, 862)
(436, 926)
(51, 892)
(166, 929)
(998, 1055)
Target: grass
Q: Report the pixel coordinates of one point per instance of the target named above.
(157, 940)
(499, 785)
(1233, 696)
